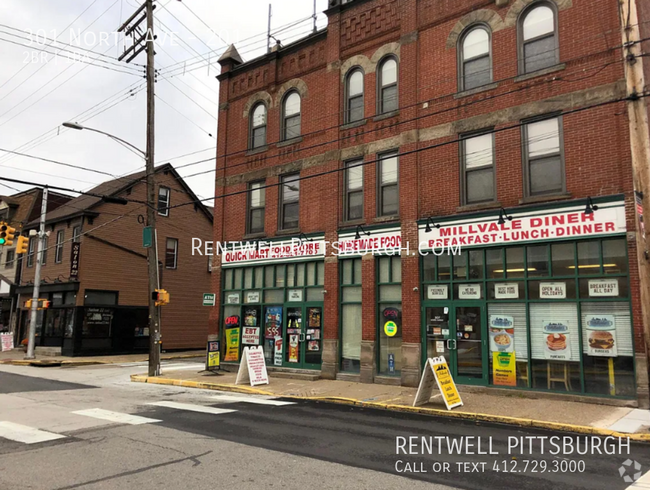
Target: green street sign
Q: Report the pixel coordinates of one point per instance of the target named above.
(209, 299)
(147, 237)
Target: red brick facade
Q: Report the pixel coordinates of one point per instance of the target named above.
(423, 36)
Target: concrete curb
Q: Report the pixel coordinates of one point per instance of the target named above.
(477, 417)
(81, 362)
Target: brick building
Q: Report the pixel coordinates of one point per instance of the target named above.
(496, 125)
(99, 302)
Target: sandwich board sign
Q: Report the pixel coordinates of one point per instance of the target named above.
(252, 368)
(436, 371)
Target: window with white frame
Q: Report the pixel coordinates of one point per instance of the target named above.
(475, 62)
(164, 200)
(258, 127)
(538, 47)
(58, 250)
(388, 185)
(354, 110)
(290, 202)
(543, 157)
(477, 167)
(388, 86)
(291, 116)
(353, 206)
(171, 253)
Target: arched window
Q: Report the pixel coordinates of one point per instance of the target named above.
(539, 43)
(258, 126)
(291, 116)
(388, 86)
(354, 94)
(475, 63)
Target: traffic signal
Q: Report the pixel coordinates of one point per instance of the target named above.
(23, 245)
(161, 297)
(28, 304)
(44, 304)
(7, 234)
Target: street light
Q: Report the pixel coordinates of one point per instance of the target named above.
(152, 252)
(79, 127)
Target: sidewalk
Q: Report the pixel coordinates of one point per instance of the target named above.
(511, 409)
(17, 358)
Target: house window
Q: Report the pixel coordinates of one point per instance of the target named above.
(30, 251)
(289, 202)
(388, 192)
(388, 86)
(291, 116)
(171, 254)
(58, 251)
(258, 127)
(477, 168)
(256, 203)
(44, 252)
(76, 233)
(353, 206)
(543, 158)
(164, 199)
(9, 261)
(475, 62)
(354, 90)
(539, 47)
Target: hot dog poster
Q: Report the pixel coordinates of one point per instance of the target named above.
(557, 340)
(601, 335)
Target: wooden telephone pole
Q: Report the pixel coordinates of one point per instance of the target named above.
(640, 150)
(146, 41)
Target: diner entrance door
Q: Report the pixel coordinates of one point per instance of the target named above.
(458, 331)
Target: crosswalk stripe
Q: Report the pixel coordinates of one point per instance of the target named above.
(117, 417)
(192, 408)
(28, 435)
(246, 399)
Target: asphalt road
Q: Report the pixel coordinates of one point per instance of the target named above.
(252, 442)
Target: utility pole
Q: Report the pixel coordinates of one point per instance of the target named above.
(268, 32)
(640, 150)
(37, 279)
(152, 260)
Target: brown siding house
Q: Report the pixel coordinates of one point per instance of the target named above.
(103, 306)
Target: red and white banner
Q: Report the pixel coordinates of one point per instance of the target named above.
(378, 242)
(527, 226)
(266, 252)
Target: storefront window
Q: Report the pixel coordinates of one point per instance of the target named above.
(562, 309)
(351, 315)
(390, 316)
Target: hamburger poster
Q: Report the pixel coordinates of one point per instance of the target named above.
(601, 335)
(557, 340)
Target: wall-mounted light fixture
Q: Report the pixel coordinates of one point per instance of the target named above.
(590, 207)
(503, 216)
(430, 223)
(358, 235)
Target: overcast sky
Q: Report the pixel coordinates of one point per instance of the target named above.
(39, 91)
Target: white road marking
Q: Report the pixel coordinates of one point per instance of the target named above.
(192, 408)
(117, 417)
(28, 435)
(247, 399)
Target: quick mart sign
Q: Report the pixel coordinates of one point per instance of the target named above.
(527, 226)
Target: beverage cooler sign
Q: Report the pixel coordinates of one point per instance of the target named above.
(599, 288)
(601, 335)
(558, 345)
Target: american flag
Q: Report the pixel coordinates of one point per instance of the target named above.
(639, 203)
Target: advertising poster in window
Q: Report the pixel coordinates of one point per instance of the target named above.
(277, 358)
(293, 348)
(506, 290)
(601, 335)
(250, 317)
(504, 369)
(273, 322)
(552, 290)
(469, 291)
(250, 336)
(232, 345)
(603, 288)
(558, 345)
(502, 333)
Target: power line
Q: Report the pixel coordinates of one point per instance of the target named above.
(183, 115)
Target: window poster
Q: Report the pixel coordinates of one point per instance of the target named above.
(603, 288)
(552, 290)
(502, 333)
(277, 357)
(469, 291)
(293, 348)
(250, 317)
(232, 345)
(273, 322)
(506, 290)
(601, 335)
(558, 340)
(313, 345)
(250, 336)
(314, 318)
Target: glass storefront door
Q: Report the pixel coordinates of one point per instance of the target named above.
(303, 337)
(458, 332)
